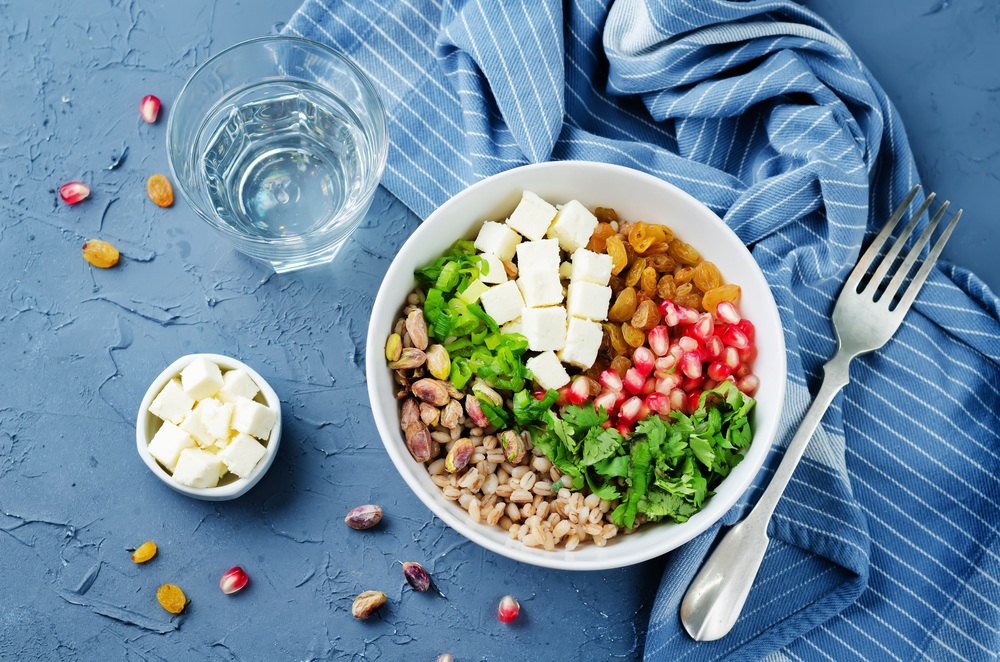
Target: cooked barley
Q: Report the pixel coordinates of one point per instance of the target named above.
(474, 511)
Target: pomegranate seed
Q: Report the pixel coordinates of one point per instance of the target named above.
(606, 400)
(606, 424)
(579, 391)
(563, 396)
(668, 383)
(748, 384)
(676, 351)
(727, 312)
(508, 609)
(687, 315)
(643, 359)
(149, 108)
(624, 429)
(643, 412)
(748, 353)
(658, 402)
(233, 580)
(687, 343)
(715, 347)
(539, 395)
(709, 384)
(702, 329)
(629, 411)
(671, 317)
(648, 387)
(746, 326)
(693, 399)
(659, 340)
(678, 400)
(718, 371)
(634, 381)
(610, 380)
(691, 365)
(735, 338)
(731, 357)
(73, 192)
(666, 305)
(691, 384)
(720, 330)
(665, 363)
(621, 396)
(742, 371)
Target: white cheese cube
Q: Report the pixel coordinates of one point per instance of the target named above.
(591, 267)
(532, 216)
(566, 271)
(545, 328)
(167, 444)
(573, 226)
(497, 273)
(198, 468)
(237, 384)
(583, 339)
(547, 370)
(540, 288)
(538, 255)
(498, 239)
(503, 302)
(216, 417)
(253, 418)
(513, 326)
(242, 454)
(201, 379)
(194, 425)
(172, 403)
(588, 300)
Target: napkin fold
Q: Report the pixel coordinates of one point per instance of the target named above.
(886, 542)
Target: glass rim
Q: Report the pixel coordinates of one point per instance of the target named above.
(375, 175)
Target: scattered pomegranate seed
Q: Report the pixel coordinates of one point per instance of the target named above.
(678, 400)
(748, 384)
(658, 402)
(748, 353)
(610, 380)
(668, 383)
(731, 357)
(648, 387)
(539, 395)
(149, 108)
(665, 306)
(643, 359)
(643, 412)
(233, 581)
(621, 397)
(687, 315)
(508, 609)
(746, 326)
(691, 365)
(709, 384)
(634, 380)
(693, 383)
(693, 399)
(624, 429)
(607, 424)
(665, 363)
(715, 347)
(718, 371)
(630, 410)
(563, 396)
(687, 343)
(74, 192)
(659, 340)
(703, 328)
(742, 371)
(727, 312)
(735, 338)
(579, 391)
(608, 399)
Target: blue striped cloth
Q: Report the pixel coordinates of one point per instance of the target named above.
(885, 545)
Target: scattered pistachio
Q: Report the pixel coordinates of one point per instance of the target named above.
(450, 388)
(409, 357)
(410, 413)
(417, 328)
(393, 347)
(444, 657)
(418, 440)
(367, 604)
(431, 392)
(510, 268)
(482, 389)
(429, 414)
(364, 517)
(459, 455)
(452, 414)
(513, 446)
(416, 576)
(438, 361)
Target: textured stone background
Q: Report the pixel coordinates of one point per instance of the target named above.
(80, 345)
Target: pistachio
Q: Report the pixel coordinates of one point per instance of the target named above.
(409, 357)
(410, 413)
(459, 455)
(431, 392)
(418, 441)
(417, 328)
(510, 268)
(475, 411)
(450, 388)
(416, 576)
(513, 446)
(363, 517)
(481, 388)
(367, 604)
(438, 361)
(452, 415)
(393, 347)
(445, 657)
(429, 415)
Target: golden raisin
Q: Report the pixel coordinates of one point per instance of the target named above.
(662, 263)
(616, 249)
(684, 253)
(100, 253)
(606, 214)
(145, 552)
(630, 255)
(683, 275)
(640, 237)
(647, 315)
(614, 334)
(159, 190)
(621, 364)
(635, 272)
(172, 598)
(598, 240)
(666, 287)
(633, 336)
(617, 284)
(716, 295)
(648, 281)
(624, 306)
(690, 300)
(707, 276)
(684, 289)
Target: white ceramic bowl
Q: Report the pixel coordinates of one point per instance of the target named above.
(634, 196)
(231, 486)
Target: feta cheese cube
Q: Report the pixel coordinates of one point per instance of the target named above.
(532, 216)
(497, 273)
(591, 267)
(545, 328)
(573, 226)
(540, 288)
(588, 300)
(167, 444)
(548, 370)
(242, 454)
(198, 468)
(253, 418)
(216, 417)
(566, 271)
(172, 403)
(237, 384)
(583, 339)
(513, 326)
(194, 425)
(503, 302)
(201, 379)
(538, 255)
(498, 239)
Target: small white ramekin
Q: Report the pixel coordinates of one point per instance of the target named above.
(147, 425)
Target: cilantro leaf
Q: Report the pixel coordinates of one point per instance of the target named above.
(613, 467)
(600, 444)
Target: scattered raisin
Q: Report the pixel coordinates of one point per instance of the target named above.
(616, 249)
(662, 263)
(707, 276)
(648, 281)
(690, 300)
(599, 239)
(716, 295)
(624, 306)
(621, 364)
(100, 253)
(647, 315)
(159, 190)
(633, 336)
(684, 253)
(145, 552)
(172, 598)
(683, 275)
(617, 284)
(666, 287)
(606, 215)
(635, 272)
(614, 335)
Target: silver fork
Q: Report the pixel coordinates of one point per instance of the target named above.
(863, 320)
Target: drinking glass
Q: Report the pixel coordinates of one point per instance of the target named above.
(279, 143)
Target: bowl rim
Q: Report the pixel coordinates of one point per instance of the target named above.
(390, 433)
(239, 486)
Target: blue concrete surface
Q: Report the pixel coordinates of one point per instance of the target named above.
(79, 347)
